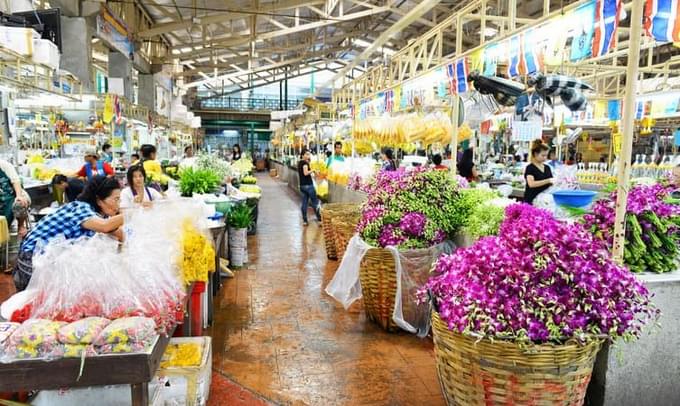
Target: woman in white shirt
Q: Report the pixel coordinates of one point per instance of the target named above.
(137, 193)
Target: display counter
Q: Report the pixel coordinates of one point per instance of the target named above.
(644, 372)
(135, 369)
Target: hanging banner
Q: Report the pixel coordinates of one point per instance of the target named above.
(515, 56)
(526, 130)
(660, 20)
(582, 27)
(607, 15)
(532, 52)
(556, 43)
(113, 31)
(614, 110)
(457, 76)
(676, 138)
(493, 54)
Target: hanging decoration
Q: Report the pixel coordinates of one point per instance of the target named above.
(566, 87)
(607, 17)
(662, 20)
(504, 91)
(457, 75)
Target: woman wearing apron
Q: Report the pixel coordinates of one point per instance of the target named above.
(137, 193)
(14, 201)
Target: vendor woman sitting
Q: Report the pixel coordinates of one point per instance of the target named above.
(137, 192)
(95, 211)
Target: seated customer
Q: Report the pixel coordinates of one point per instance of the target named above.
(137, 193)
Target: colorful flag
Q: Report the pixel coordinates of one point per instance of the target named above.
(457, 74)
(389, 100)
(582, 22)
(476, 61)
(556, 34)
(515, 56)
(533, 55)
(607, 14)
(491, 58)
(662, 21)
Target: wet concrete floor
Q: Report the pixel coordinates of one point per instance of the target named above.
(279, 335)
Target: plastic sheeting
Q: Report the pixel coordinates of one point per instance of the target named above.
(412, 270)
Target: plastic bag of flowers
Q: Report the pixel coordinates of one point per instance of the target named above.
(519, 317)
(405, 225)
(652, 241)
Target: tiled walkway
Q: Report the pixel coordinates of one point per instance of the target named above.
(278, 334)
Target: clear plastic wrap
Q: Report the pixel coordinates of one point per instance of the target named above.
(36, 338)
(82, 331)
(122, 348)
(98, 277)
(412, 269)
(345, 286)
(127, 330)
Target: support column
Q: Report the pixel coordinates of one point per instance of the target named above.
(77, 49)
(146, 91)
(120, 67)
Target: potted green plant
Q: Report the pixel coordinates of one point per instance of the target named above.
(239, 220)
(198, 181)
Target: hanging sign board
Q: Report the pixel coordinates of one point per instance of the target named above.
(113, 31)
(526, 130)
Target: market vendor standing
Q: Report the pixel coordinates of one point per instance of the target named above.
(152, 167)
(94, 167)
(13, 198)
(337, 156)
(537, 174)
(95, 211)
(307, 187)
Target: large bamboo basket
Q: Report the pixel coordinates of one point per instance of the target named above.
(328, 211)
(378, 278)
(481, 372)
(344, 227)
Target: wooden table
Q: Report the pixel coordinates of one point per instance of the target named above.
(135, 370)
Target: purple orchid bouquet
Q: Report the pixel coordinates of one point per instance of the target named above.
(409, 209)
(652, 241)
(541, 281)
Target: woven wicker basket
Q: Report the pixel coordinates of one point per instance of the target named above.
(378, 278)
(344, 227)
(482, 372)
(328, 211)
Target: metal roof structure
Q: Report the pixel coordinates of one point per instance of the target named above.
(248, 43)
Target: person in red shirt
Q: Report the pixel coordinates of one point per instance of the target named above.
(94, 167)
(437, 161)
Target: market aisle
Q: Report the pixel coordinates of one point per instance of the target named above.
(278, 334)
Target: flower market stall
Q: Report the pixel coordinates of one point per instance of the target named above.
(115, 317)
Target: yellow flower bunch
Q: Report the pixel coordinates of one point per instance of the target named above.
(394, 131)
(319, 166)
(339, 178)
(250, 189)
(198, 258)
(182, 355)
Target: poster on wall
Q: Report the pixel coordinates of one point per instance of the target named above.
(113, 31)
